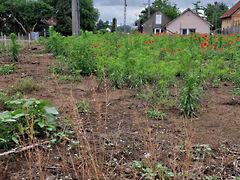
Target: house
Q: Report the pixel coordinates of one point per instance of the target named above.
(156, 23)
(232, 17)
(189, 22)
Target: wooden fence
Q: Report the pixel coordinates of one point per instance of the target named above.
(232, 30)
(4, 40)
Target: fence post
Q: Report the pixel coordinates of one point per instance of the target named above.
(5, 41)
(19, 37)
(2, 38)
(29, 38)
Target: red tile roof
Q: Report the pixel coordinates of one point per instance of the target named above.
(231, 11)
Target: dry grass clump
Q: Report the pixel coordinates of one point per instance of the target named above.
(24, 85)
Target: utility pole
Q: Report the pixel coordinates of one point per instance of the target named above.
(149, 11)
(75, 17)
(125, 15)
(216, 14)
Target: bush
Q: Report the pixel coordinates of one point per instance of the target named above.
(189, 99)
(14, 48)
(25, 118)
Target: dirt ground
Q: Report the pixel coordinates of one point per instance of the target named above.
(217, 124)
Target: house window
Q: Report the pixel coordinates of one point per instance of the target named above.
(192, 31)
(184, 31)
(158, 19)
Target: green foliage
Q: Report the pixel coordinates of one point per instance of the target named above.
(159, 172)
(25, 118)
(209, 12)
(14, 48)
(24, 16)
(154, 114)
(102, 25)
(189, 96)
(7, 69)
(83, 107)
(163, 5)
(161, 61)
(63, 13)
(114, 25)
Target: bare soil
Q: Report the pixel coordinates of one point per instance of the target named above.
(217, 124)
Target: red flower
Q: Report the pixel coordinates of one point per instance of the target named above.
(171, 53)
(179, 49)
(104, 41)
(201, 46)
(165, 49)
(95, 46)
(222, 48)
(230, 48)
(95, 54)
(213, 44)
(196, 39)
(118, 45)
(204, 43)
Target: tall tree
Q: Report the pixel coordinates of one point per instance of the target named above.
(63, 15)
(214, 12)
(165, 6)
(114, 25)
(25, 15)
(102, 25)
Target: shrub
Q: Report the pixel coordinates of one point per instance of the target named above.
(14, 48)
(189, 99)
(25, 85)
(27, 117)
(7, 69)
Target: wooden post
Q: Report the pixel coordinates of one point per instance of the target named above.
(22, 39)
(5, 41)
(2, 38)
(29, 38)
(75, 17)
(19, 37)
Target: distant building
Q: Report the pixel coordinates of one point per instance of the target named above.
(232, 17)
(189, 22)
(156, 23)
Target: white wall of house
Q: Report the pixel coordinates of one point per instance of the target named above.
(187, 22)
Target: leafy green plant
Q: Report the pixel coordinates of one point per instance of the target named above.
(154, 114)
(189, 99)
(83, 107)
(14, 48)
(22, 116)
(159, 172)
(7, 69)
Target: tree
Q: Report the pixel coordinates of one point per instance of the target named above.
(102, 25)
(21, 14)
(114, 25)
(63, 15)
(198, 8)
(163, 5)
(212, 10)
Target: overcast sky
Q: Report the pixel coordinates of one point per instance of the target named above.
(114, 8)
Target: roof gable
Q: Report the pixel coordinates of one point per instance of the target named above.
(194, 13)
(158, 11)
(231, 11)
